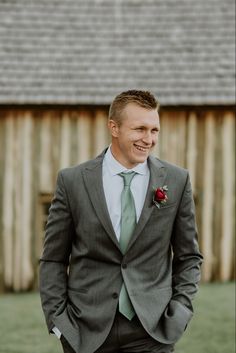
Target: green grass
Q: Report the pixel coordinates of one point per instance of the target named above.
(23, 330)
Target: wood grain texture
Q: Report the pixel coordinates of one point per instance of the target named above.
(36, 143)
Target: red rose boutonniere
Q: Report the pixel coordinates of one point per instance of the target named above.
(160, 196)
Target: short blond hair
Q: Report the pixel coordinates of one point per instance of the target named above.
(144, 99)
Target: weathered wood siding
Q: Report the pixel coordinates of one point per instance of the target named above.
(35, 144)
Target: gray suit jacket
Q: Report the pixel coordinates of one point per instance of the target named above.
(82, 267)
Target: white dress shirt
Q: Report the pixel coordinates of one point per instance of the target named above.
(113, 185)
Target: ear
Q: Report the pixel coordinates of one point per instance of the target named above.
(113, 127)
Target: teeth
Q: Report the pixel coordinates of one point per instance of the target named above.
(141, 148)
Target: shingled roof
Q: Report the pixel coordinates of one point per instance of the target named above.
(87, 51)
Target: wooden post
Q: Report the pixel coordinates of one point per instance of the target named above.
(208, 198)
(162, 147)
(26, 202)
(191, 150)
(46, 184)
(228, 194)
(179, 128)
(83, 136)
(65, 141)
(2, 156)
(8, 191)
(100, 132)
(55, 145)
(17, 246)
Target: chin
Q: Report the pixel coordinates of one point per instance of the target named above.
(140, 160)
(141, 157)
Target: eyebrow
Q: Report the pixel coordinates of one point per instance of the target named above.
(145, 127)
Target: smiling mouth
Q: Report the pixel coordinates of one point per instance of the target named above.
(142, 149)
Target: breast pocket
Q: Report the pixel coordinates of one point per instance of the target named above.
(168, 208)
(162, 220)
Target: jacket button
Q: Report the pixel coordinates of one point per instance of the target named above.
(114, 295)
(124, 266)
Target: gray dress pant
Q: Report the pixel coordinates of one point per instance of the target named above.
(127, 337)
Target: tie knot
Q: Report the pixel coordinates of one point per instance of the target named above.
(127, 177)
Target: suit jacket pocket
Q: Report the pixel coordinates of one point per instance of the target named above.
(173, 321)
(68, 327)
(165, 206)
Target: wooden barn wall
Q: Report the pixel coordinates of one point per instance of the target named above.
(35, 144)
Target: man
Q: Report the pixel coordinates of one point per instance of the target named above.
(120, 264)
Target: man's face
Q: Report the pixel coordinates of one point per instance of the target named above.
(134, 138)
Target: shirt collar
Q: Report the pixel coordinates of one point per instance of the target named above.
(115, 167)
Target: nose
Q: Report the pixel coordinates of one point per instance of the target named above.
(147, 138)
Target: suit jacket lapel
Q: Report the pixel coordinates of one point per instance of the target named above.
(157, 178)
(93, 181)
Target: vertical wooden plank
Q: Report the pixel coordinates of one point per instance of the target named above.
(228, 194)
(173, 137)
(191, 148)
(100, 140)
(2, 162)
(74, 116)
(26, 206)
(36, 241)
(162, 146)
(201, 132)
(179, 143)
(84, 129)
(45, 171)
(8, 189)
(217, 207)
(208, 197)
(65, 140)
(55, 144)
(17, 246)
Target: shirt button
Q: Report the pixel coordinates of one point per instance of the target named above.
(114, 295)
(124, 266)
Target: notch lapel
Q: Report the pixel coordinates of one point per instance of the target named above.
(158, 175)
(92, 176)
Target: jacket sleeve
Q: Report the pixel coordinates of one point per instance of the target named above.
(186, 256)
(56, 254)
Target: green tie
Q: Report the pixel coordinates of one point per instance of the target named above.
(128, 222)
